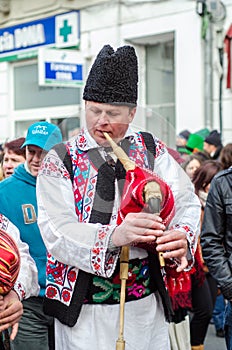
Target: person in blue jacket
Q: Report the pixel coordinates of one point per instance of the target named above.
(19, 204)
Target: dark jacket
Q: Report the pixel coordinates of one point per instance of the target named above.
(216, 236)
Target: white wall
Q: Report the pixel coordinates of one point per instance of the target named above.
(129, 24)
(116, 24)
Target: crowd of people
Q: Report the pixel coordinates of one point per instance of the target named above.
(109, 206)
(204, 156)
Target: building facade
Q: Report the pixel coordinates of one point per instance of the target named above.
(47, 47)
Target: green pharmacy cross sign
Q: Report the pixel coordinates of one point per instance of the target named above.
(65, 30)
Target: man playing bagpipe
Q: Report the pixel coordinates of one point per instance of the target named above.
(92, 209)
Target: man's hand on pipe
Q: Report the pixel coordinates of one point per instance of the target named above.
(174, 244)
(138, 227)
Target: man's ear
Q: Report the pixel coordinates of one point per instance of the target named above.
(132, 114)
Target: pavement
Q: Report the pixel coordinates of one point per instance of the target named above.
(212, 342)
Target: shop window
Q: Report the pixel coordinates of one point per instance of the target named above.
(160, 89)
(69, 126)
(28, 94)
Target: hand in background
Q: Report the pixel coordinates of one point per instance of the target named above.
(11, 310)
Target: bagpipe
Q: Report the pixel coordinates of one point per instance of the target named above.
(143, 191)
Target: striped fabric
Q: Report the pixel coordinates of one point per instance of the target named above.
(9, 262)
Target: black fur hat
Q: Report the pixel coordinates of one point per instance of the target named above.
(113, 78)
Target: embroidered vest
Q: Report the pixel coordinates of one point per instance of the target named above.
(82, 288)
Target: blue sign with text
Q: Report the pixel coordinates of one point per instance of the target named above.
(63, 71)
(61, 31)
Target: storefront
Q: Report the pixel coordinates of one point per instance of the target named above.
(32, 94)
(178, 86)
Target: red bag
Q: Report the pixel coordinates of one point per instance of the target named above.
(133, 198)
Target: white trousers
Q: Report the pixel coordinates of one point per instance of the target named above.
(97, 327)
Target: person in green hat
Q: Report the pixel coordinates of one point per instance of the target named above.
(194, 144)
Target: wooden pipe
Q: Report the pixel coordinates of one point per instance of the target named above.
(152, 193)
(152, 196)
(120, 154)
(124, 263)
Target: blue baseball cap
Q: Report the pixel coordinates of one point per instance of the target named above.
(44, 135)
